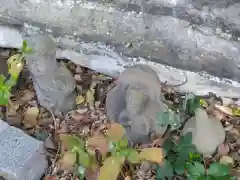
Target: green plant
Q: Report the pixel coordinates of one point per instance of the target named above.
(15, 65)
(177, 154)
(216, 171)
(183, 159)
(76, 155)
(190, 103)
(113, 148)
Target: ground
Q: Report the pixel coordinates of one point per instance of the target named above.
(90, 118)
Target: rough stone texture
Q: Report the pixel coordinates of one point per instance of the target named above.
(197, 35)
(207, 132)
(192, 35)
(53, 82)
(136, 103)
(21, 156)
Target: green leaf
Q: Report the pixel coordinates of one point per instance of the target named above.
(28, 50)
(24, 46)
(4, 95)
(168, 145)
(179, 168)
(217, 169)
(122, 143)
(186, 139)
(71, 141)
(196, 169)
(165, 171)
(83, 157)
(81, 172)
(190, 103)
(133, 156)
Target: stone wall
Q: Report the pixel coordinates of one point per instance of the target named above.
(195, 35)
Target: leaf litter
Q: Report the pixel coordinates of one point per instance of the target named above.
(89, 122)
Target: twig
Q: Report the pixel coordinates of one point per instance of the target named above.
(54, 119)
(177, 85)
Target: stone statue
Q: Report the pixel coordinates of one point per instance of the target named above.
(135, 102)
(53, 82)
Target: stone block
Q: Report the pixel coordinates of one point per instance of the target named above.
(21, 156)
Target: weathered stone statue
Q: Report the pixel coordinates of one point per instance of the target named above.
(135, 102)
(53, 82)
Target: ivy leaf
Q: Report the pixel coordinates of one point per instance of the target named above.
(165, 171)
(71, 141)
(196, 169)
(111, 168)
(217, 169)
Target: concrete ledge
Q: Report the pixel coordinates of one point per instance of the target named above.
(19, 154)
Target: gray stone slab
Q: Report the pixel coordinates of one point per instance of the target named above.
(192, 37)
(21, 156)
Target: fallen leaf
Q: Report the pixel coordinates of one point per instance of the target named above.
(158, 142)
(128, 178)
(90, 95)
(80, 99)
(68, 160)
(71, 141)
(30, 117)
(98, 142)
(111, 168)
(218, 114)
(50, 177)
(91, 174)
(224, 109)
(27, 96)
(115, 132)
(236, 111)
(226, 160)
(155, 155)
(223, 149)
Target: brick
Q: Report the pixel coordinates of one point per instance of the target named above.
(21, 156)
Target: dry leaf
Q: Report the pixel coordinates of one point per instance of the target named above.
(50, 177)
(226, 160)
(152, 154)
(224, 109)
(98, 142)
(30, 117)
(115, 132)
(223, 150)
(80, 99)
(68, 160)
(27, 96)
(111, 168)
(90, 95)
(128, 178)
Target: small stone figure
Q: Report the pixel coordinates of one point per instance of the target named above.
(53, 82)
(135, 102)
